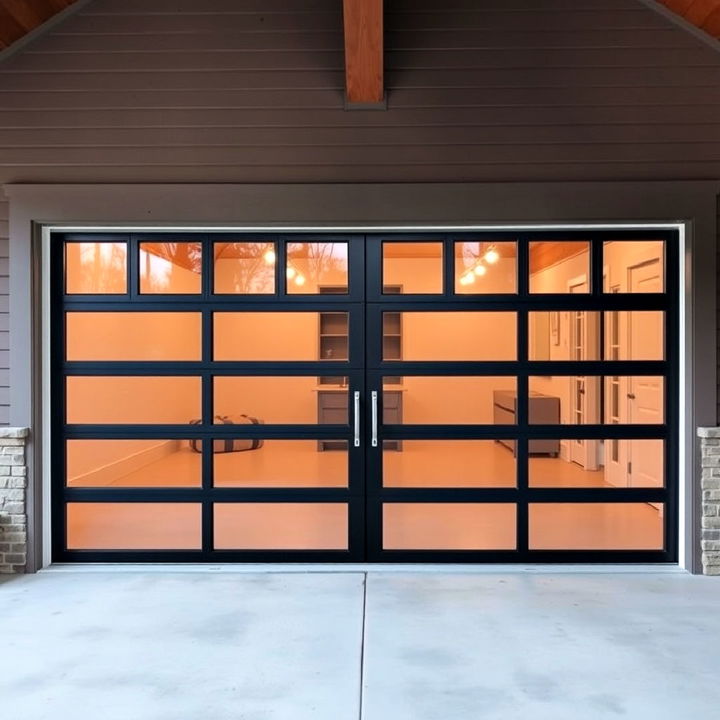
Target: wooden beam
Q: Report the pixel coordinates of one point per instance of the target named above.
(363, 21)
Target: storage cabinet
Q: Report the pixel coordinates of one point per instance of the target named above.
(333, 409)
(542, 410)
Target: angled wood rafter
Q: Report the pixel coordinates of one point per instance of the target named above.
(20, 17)
(704, 14)
(363, 23)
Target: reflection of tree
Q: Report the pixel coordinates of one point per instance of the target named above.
(158, 275)
(325, 261)
(252, 272)
(103, 267)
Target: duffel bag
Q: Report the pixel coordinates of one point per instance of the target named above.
(228, 445)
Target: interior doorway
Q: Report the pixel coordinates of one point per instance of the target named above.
(326, 397)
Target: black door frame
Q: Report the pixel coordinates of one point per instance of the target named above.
(365, 371)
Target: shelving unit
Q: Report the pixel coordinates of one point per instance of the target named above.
(333, 337)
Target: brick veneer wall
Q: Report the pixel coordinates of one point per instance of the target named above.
(710, 535)
(13, 484)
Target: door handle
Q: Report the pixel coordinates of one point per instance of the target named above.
(356, 404)
(374, 422)
(631, 396)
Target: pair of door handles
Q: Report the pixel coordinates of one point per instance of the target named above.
(373, 420)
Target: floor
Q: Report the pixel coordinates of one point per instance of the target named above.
(297, 463)
(475, 644)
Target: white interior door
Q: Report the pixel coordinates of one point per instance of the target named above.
(583, 389)
(645, 394)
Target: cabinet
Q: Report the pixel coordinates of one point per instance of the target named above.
(542, 410)
(333, 409)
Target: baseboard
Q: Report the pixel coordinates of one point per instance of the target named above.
(112, 472)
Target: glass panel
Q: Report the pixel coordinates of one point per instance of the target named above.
(635, 266)
(596, 526)
(560, 266)
(280, 336)
(462, 400)
(597, 463)
(564, 335)
(96, 268)
(485, 267)
(577, 400)
(412, 267)
(635, 335)
(449, 463)
(134, 526)
(171, 268)
(132, 463)
(280, 463)
(281, 526)
(472, 336)
(134, 336)
(317, 268)
(244, 268)
(142, 399)
(280, 400)
(449, 526)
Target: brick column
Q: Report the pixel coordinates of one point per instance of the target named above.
(13, 483)
(710, 534)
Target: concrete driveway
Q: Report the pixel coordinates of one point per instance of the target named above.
(184, 644)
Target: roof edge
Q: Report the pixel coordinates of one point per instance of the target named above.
(40, 30)
(682, 23)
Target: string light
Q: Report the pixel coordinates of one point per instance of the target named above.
(300, 280)
(269, 256)
(290, 272)
(478, 269)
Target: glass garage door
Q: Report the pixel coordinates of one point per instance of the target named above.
(486, 397)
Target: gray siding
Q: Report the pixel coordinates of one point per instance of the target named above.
(252, 91)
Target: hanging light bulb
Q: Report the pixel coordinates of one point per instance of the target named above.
(290, 272)
(480, 270)
(269, 256)
(492, 256)
(300, 280)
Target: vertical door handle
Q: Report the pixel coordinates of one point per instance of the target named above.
(356, 403)
(374, 423)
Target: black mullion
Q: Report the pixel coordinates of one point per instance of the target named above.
(672, 267)
(58, 447)
(596, 266)
(448, 246)
(505, 432)
(133, 260)
(523, 267)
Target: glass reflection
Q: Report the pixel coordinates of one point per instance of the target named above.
(96, 268)
(170, 268)
(317, 268)
(245, 268)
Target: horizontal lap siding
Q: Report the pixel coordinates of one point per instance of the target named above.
(252, 91)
